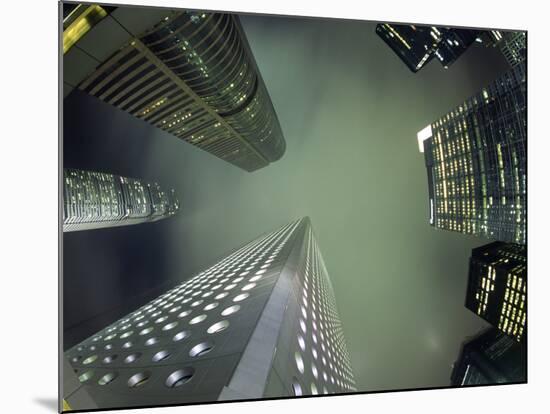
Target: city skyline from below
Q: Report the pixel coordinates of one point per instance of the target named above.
(95, 200)
(348, 113)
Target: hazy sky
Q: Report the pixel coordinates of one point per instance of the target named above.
(349, 110)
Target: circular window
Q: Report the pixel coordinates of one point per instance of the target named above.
(218, 327)
(137, 380)
(86, 376)
(181, 336)
(151, 341)
(127, 345)
(161, 356)
(299, 362)
(131, 358)
(197, 303)
(301, 342)
(197, 319)
(201, 349)
(314, 371)
(90, 359)
(161, 319)
(211, 306)
(126, 334)
(109, 359)
(249, 286)
(146, 331)
(296, 387)
(179, 377)
(184, 313)
(175, 309)
(107, 378)
(314, 389)
(169, 326)
(240, 297)
(221, 295)
(230, 310)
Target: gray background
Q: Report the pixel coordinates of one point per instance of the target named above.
(350, 111)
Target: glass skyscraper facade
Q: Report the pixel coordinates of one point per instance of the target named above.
(262, 322)
(417, 45)
(497, 287)
(475, 157)
(490, 358)
(191, 74)
(93, 200)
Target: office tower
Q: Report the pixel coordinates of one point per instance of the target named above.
(95, 200)
(191, 74)
(262, 322)
(514, 47)
(490, 358)
(497, 287)
(512, 44)
(475, 158)
(417, 45)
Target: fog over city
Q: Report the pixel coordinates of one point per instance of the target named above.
(349, 110)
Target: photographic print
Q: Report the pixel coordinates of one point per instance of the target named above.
(260, 206)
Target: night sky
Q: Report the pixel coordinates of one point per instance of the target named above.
(349, 110)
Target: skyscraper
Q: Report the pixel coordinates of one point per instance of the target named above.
(490, 358)
(476, 162)
(497, 287)
(94, 200)
(262, 322)
(512, 44)
(191, 74)
(514, 47)
(417, 45)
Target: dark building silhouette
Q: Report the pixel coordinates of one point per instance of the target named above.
(490, 358)
(262, 322)
(513, 46)
(416, 45)
(475, 158)
(94, 200)
(191, 74)
(497, 287)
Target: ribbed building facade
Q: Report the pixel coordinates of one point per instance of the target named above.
(476, 162)
(416, 45)
(93, 200)
(497, 287)
(490, 358)
(193, 75)
(262, 322)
